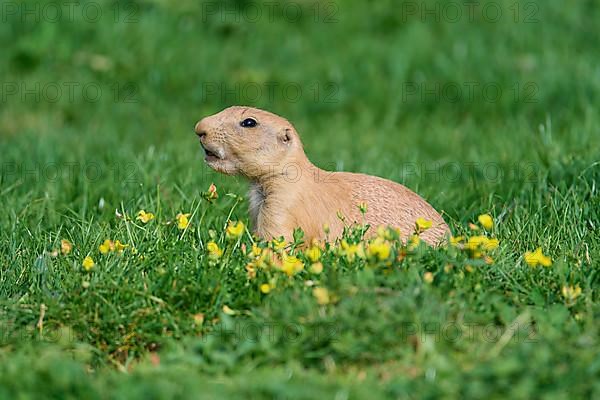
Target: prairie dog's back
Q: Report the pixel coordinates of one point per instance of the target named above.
(390, 203)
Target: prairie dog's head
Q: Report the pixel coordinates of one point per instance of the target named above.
(248, 141)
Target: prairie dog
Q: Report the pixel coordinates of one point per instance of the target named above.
(287, 191)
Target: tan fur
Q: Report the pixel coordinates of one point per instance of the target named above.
(287, 191)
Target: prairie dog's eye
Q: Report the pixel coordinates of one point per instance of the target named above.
(248, 123)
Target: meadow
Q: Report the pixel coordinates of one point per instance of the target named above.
(128, 268)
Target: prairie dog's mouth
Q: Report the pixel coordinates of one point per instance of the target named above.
(210, 154)
(213, 154)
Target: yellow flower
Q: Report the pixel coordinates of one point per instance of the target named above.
(265, 288)
(291, 265)
(234, 229)
(537, 257)
(475, 242)
(362, 207)
(491, 244)
(119, 247)
(316, 268)
(428, 277)
(423, 224)
(212, 189)
(106, 246)
(571, 293)
(456, 240)
(415, 241)
(255, 252)
(486, 221)
(313, 253)
(251, 270)
(322, 295)
(214, 251)
(144, 216)
(182, 221)
(379, 249)
(481, 242)
(211, 194)
(351, 251)
(65, 247)
(279, 244)
(88, 263)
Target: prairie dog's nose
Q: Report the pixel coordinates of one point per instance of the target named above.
(200, 129)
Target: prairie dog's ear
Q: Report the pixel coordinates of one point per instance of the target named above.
(286, 136)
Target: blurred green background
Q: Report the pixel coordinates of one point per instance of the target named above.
(486, 106)
(389, 88)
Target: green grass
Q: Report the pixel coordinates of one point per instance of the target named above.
(127, 328)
